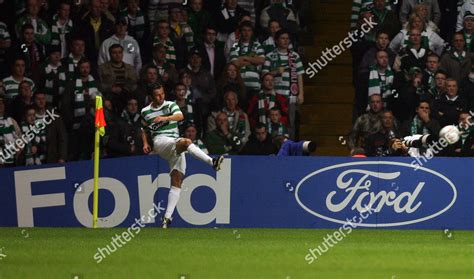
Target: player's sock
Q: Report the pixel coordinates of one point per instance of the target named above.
(197, 153)
(173, 198)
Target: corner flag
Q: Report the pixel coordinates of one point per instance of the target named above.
(99, 131)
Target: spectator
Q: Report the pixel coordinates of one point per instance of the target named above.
(360, 6)
(61, 27)
(138, 27)
(260, 143)
(222, 140)
(109, 8)
(52, 75)
(23, 100)
(199, 20)
(202, 80)
(55, 132)
(75, 104)
(287, 68)
(378, 144)
(161, 36)
(213, 52)
(158, 10)
(191, 133)
(451, 105)
(434, 14)
(167, 73)
(34, 152)
(143, 88)
(277, 10)
(260, 105)
(41, 30)
(449, 15)
(367, 124)
(96, 27)
(414, 55)
(12, 82)
(468, 31)
(421, 123)
(249, 6)
(432, 66)
(467, 7)
(32, 52)
(69, 63)
(435, 93)
(465, 146)
(181, 34)
(238, 122)
(228, 19)
(382, 40)
(403, 103)
(429, 40)
(457, 62)
(119, 139)
(381, 77)
(8, 134)
(268, 43)
(118, 79)
(185, 105)
(131, 55)
(384, 19)
(132, 125)
(422, 11)
(275, 126)
(231, 79)
(234, 37)
(5, 43)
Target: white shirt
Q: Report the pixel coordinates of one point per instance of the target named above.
(211, 52)
(131, 51)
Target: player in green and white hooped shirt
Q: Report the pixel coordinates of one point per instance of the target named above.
(160, 120)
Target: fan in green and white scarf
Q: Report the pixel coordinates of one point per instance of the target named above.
(58, 34)
(265, 103)
(39, 141)
(136, 24)
(380, 84)
(7, 135)
(277, 129)
(170, 49)
(417, 127)
(41, 28)
(80, 98)
(54, 77)
(359, 6)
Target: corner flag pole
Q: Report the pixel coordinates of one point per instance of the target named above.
(99, 131)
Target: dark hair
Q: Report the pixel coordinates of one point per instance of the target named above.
(275, 108)
(380, 32)
(432, 54)
(442, 72)
(153, 87)
(16, 59)
(273, 20)
(279, 33)
(260, 125)
(82, 61)
(179, 84)
(26, 26)
(246, 24)
(150, 67)
(27, 108)
(114, 46)
(209, 27)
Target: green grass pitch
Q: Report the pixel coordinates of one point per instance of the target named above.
(235, 253)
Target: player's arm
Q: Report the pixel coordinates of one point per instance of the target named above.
(146, 145)
(178, 116)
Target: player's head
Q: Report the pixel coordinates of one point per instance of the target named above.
(157, 94)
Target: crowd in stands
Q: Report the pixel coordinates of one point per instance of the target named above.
(232, 67)
(413, 74)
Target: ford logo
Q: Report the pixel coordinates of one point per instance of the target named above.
(398, 193)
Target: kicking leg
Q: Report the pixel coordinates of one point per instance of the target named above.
(186, 144)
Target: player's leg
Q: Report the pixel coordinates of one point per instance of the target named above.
(173, 196)
(186, 144)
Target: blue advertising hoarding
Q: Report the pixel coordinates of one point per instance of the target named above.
(260, 192)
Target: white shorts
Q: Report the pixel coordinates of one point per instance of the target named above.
(165, 147)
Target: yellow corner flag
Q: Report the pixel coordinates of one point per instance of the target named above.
(99, 131)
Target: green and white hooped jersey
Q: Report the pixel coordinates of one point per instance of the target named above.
(167, 128)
